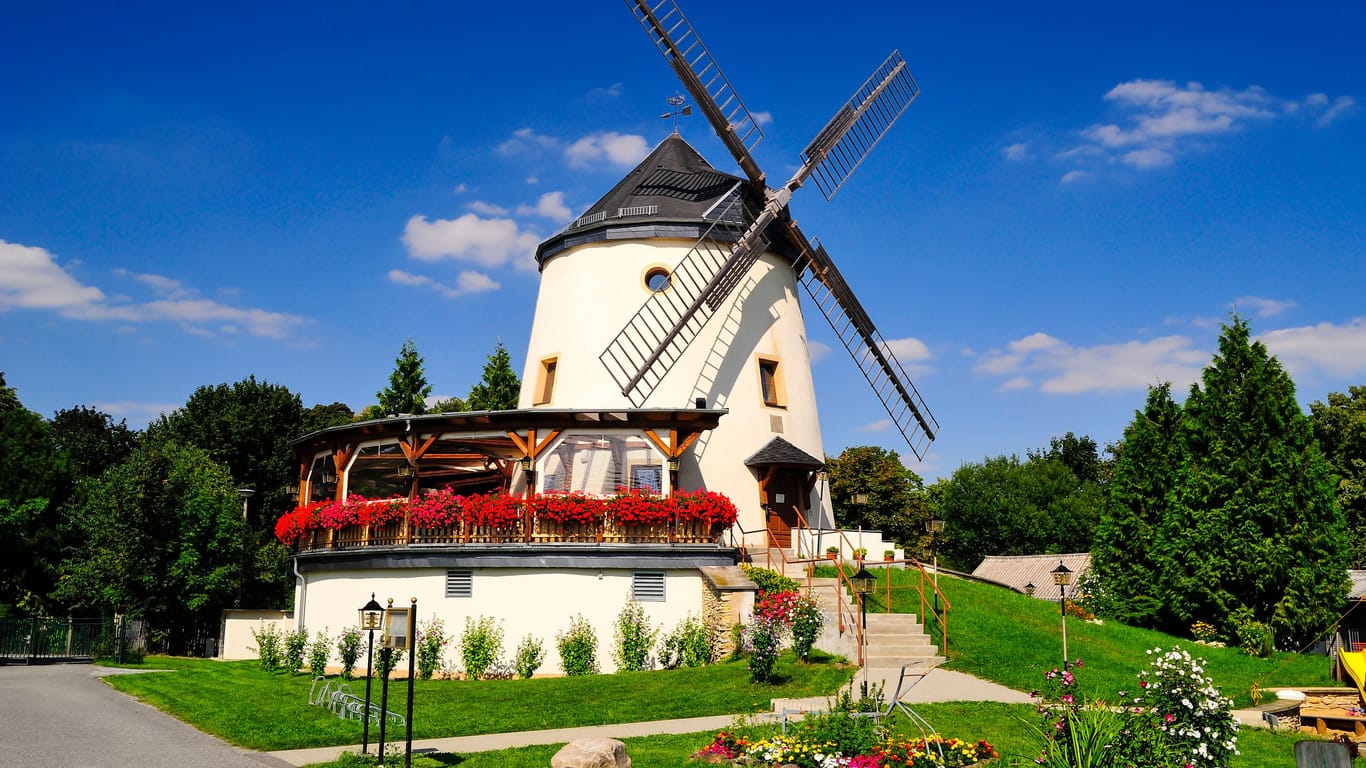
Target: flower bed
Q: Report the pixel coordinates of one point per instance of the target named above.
(440, 513)
(804, 751)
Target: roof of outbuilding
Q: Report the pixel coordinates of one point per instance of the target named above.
(1016, 571)
(780, 452)
(1358, 590)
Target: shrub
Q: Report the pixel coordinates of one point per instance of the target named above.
(387, 660)
(1184, 712)
(763, 639)
(319, 651)
(634, 638)
(296, 642)
(807, 622)
(690, 644)
(841, 732)
(737, 641)
(578, 648)
(269, 646)
(1203, 632)
(348, 650)
(431, 648)
(528, 657)
(480, 645)
(769, 581)
(1255, 638)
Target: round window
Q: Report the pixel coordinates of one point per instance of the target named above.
(657, 279)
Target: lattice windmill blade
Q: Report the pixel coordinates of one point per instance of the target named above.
(859, 125)
(874, 357)
(692, 62)
(650, 343)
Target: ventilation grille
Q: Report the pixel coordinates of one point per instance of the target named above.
(460, 583)
(647, 586)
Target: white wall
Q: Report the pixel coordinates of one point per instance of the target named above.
(238, 624)
(589, 293)
(532, 601)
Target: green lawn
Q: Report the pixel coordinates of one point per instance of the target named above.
(239, 703)
(993, 633)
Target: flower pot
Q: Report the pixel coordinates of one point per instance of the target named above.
(889, 558)
(832, 555)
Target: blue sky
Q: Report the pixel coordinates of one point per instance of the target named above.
(1081, 194)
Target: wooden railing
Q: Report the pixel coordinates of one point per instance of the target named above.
(606, 531)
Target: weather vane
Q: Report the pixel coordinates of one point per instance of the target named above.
(676, 107)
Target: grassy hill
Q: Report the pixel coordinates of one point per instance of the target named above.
(1001, 635)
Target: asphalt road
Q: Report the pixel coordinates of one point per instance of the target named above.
(64, 716)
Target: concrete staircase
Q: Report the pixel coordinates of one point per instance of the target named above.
(892, 639)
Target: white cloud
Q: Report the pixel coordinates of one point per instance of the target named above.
(1016, 152)
(461, 188)
(1339, 350)
(817, 350)
(1064, 369)
(909, 349)
(30, 278)
(617, 149)
(762, 118)
(526, 141)
(1344, 105)
(876, 426)
(1263, 307)
(1158, 120)
(550, 205)
(1072, 177)
(1144, 159)
(487, 242)
(610, 92)
(486, 209)
(466, 282)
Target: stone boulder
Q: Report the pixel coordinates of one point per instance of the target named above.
(591, 753)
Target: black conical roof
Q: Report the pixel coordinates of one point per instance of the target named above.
(674, 193)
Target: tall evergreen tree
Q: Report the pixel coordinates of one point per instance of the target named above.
(1253, 528)
(408, 388)
(499, 388)
(1145, 469)
(1340, 427)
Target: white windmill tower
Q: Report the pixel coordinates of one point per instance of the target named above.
(679, 289)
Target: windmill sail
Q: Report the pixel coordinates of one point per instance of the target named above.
(692, 62)
(860, 124)
(874, 357)
(652, 341)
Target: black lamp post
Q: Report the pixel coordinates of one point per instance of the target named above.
(863, 582)
(1062, 576)
(1029, 589)
(244, 494)
(371, 616)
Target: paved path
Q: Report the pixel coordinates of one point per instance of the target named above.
(937, 685)
(64, 716)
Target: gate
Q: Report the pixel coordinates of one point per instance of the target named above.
(45, 639)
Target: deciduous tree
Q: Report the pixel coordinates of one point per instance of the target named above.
(1340, 427)
(895, 502)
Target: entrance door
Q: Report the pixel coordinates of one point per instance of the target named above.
(784, 493)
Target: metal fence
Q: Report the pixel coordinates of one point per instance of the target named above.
(40, 639)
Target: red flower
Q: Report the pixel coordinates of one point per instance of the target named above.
(637, 506)
(497, 510)
(572, 507)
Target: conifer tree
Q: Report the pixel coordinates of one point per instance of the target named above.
(1340, 427)
(1253, 527)
(499, 388)
(408, 388)
(1145, 469)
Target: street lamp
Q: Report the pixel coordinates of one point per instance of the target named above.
(863, 582)
(1029, 589)
(244, 494)
(1062, 576)
(371, 618)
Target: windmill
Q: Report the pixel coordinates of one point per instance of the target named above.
(647, 348)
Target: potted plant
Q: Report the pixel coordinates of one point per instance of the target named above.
(832, 552)
(860, 553)
(889, 555)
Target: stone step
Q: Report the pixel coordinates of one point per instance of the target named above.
(891, 667)
(902, 649)
(896, 633)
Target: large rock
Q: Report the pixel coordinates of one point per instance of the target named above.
(592, 753)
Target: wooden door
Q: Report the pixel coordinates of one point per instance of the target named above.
(784, 493)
